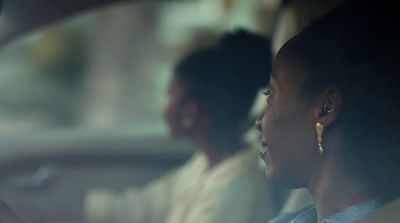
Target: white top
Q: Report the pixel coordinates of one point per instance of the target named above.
(234, 191)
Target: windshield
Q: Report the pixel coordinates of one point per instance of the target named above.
(109, 68)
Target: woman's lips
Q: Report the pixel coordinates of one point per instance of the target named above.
(263, 150)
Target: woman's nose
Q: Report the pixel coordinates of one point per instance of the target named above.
(258, 123)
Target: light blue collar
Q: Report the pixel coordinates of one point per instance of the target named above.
(355, 212)
(348, 215)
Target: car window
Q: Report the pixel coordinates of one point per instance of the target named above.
(81, 100)
(108, 69)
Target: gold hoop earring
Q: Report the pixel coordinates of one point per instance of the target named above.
(319, 129)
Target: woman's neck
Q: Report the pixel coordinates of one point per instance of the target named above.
(333, 190)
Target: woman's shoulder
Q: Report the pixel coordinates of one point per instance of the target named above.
(389, 213)
(305, 215)
(242, 167)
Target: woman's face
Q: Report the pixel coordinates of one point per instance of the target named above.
(173, 109)
(287, 126)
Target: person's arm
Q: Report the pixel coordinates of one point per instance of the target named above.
(147, 204)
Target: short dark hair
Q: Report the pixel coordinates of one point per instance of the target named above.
(225, 78)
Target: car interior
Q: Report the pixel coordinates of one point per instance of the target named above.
(83, 85)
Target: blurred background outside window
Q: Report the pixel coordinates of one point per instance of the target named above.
(108, 69)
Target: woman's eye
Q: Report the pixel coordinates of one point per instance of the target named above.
(267, 92)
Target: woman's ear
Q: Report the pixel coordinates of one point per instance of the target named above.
(329, 105)
(189, 114)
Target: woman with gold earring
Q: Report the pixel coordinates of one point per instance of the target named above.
(332, 121)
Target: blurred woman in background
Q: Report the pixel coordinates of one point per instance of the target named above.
(333, 115)
(210, 97)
